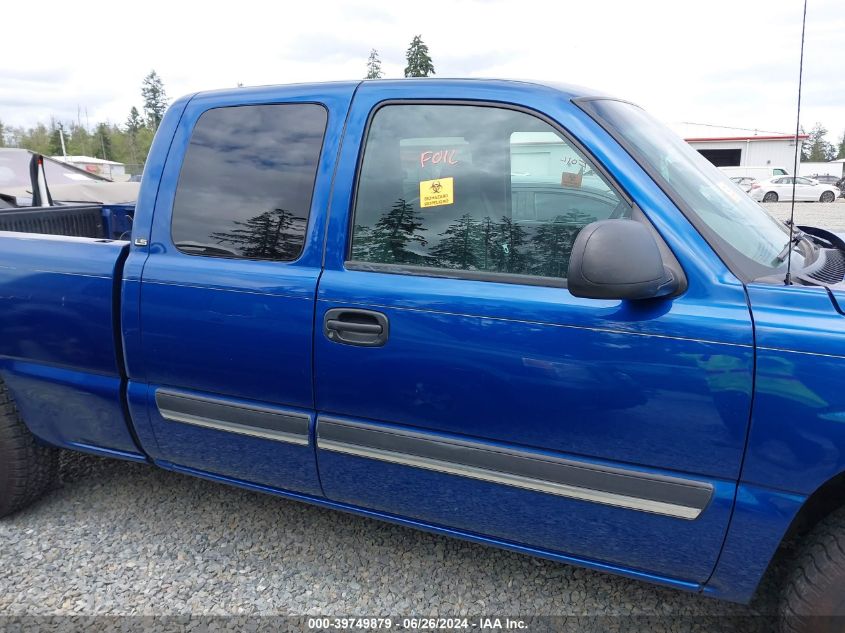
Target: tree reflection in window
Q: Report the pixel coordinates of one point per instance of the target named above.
(540, 248)
(275, 234)
(392, 237)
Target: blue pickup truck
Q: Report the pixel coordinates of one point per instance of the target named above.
(525, 315)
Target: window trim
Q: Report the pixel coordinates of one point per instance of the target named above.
(301, 251)
(470, 275)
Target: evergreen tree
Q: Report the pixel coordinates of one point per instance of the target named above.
(841, 152)
(462, 245)
(102, 142)
(391, 236)
(134, 122)
(2, 135)
(419, 63)
(155, 99)
(817, 148)
(275, 234)
(374, 66)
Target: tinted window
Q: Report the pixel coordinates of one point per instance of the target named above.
(474, 188)
(246, 182)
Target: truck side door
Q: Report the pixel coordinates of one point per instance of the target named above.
(459, 383)
(227, 291)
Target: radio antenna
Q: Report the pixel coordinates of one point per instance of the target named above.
(788, 279)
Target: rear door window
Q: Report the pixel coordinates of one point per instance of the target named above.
(246, 182)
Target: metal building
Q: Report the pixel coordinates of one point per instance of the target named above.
(736, 147)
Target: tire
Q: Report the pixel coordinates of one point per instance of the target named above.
(813, 600)
(27, 468)
(770, 196)
(827, 196)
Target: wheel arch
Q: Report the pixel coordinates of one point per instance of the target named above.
(821, 503)
(764, 535)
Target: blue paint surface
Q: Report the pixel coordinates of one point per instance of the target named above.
(674, 583)
(759, 523)
(56, 300)
(797, 437)
(64, 407)
(661, 386)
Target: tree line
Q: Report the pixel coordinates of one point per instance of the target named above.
(128, 142)
(818, 149)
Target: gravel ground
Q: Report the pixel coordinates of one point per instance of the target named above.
(827, 216)
(126, 539)
(122, 539)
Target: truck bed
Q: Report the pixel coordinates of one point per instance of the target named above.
(80, 220)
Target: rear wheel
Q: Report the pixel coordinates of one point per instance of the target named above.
(27, 468)
(770, 196)
(827, 196)
(814, 600)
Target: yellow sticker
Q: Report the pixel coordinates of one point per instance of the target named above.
(434, 193)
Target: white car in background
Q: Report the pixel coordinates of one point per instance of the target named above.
(780, 189)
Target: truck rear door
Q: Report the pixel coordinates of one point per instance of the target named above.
(227, 290)
(458, 381)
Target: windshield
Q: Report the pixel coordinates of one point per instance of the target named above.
(739, 228)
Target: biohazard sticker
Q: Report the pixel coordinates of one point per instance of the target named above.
(439, 191)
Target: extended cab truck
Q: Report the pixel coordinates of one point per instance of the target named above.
(516, 313)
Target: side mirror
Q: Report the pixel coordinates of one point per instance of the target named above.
(618, 259)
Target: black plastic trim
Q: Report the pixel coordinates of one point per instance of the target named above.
(354, 326)
(450, 273)
(675, 491)
(224, 415)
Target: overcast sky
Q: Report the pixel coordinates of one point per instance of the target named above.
(722, 62)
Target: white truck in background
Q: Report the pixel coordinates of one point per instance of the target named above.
(763, 172)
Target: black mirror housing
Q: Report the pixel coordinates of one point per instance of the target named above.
(618, 259)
